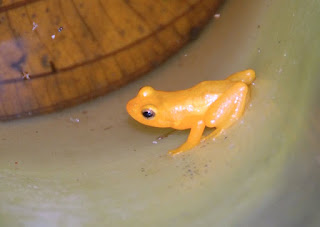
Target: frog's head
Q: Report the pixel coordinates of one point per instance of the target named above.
(146, 108)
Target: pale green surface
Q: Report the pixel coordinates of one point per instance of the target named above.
(105, 170)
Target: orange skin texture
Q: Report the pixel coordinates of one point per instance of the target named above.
(214, 104)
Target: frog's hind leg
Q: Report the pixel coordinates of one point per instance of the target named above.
(246, 76)
(212, 135)
(227, 109)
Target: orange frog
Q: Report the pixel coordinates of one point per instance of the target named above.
(214, 104)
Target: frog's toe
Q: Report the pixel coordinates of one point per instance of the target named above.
(175, 152)
(181, 149)
(212, 135)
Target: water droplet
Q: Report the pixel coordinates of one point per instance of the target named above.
(35, 25)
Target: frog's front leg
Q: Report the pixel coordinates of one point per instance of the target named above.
(227, 109)
(193, 138)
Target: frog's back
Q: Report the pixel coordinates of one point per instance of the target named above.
(204, 92)
(212, 87)
(220, 86)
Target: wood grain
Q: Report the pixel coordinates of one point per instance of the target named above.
(58, 53)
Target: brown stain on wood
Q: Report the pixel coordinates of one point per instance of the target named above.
(103, 45)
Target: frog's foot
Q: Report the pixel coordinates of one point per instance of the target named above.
(193, 139)
(183, 148)
(212, 135)
(175, 152)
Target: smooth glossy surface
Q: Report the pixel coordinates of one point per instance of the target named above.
(213, 104)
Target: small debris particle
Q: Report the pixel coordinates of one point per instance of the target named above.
(53, 36)
(35, 25)
(16, 163)
(53, 67)
(217, 15)
(25, 76)
(259, 50)
(60, 29)
(75, 120)
(154, 142)
(107, 128)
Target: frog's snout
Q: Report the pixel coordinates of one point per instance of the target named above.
(129, 106)
(132, 107)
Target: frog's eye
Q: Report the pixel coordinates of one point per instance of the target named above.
(145, 91)
(148, 113)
